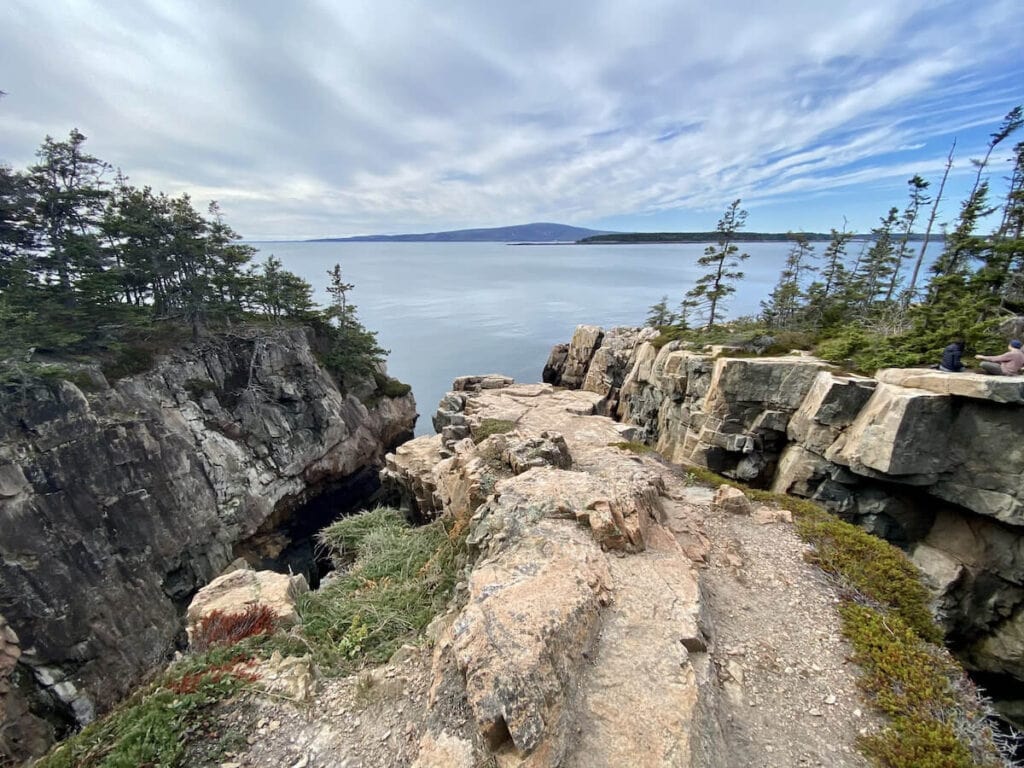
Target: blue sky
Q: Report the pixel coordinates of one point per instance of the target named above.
(321, 118)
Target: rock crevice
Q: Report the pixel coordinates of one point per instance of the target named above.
(117, 504)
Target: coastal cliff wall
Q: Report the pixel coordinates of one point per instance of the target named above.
(117, 503)
(933, 462)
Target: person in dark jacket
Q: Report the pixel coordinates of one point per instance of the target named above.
(951, 357)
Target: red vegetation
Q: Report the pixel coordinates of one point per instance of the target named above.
(191, 683)
(220, 628)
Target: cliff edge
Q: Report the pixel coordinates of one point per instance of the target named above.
(119, 500)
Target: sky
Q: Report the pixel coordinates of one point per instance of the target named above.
(314, 118)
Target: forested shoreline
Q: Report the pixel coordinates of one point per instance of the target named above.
(872, 304)
(92, 266)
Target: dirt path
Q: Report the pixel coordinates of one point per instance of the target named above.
(778, 688)
(788, 692)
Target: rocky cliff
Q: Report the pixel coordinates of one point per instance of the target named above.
(611, 616)
(931, 461)
(117, 502)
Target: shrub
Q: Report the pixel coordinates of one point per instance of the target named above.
(488, 427)
(221, 628)
(390, 387)
(197, 388)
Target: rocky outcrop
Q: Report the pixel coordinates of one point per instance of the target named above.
(577, 577)
(117, 504)
(242, 589)
(929, 460)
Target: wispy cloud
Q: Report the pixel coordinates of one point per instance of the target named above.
(319, 117)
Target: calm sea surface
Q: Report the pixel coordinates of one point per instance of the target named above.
(449, 309)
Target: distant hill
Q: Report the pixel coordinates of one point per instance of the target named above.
(542, 232)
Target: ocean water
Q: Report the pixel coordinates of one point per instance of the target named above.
(450, 309)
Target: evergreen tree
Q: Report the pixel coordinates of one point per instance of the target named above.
(353, 350)
(783, 305)
(723, 259)
(918, 198)
(69, 197)
(659, 316)
(909, 294)
(875, 269)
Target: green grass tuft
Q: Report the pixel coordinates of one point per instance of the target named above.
(399, 579)
(488, 427)
(633, 446)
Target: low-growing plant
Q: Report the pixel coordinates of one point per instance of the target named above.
(398, 578)
(150, 728)
(488, 427)
(390, 387)
(197, 388)
(223, 628)
(633, 446)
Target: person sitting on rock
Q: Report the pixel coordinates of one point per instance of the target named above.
(951, 357)
(1009, 363)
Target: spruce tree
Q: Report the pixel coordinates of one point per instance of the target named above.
(659, 316)
(714, 286)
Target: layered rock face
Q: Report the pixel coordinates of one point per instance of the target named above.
(932, 461)
(117, 504)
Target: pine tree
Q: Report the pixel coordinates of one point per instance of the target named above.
(918, 198)
(69, 197)
(713, 287)
(659, 316)
(784, 303)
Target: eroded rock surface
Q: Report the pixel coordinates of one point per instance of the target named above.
(117, 504)
(929, 460)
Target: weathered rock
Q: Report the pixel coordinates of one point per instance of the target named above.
(731, 500)
(611, 362)
(984, 469)
(477, 383)
(555, 365)
(975, 386)
(531, 619)
(539, 592)
(831, 405)
(585, 341)
(899, 432)
(546, 450)
(291, 677)
(800, 471)
(117, 505)
(432, 480)
(237, 591)
(444, 750)
(645, 669)
(770, 515)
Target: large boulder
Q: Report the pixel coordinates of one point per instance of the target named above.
(242, 589)
(831, 405)
(900, 432)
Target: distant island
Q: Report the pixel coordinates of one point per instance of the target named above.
(645, 238)
(539, 232)
(546, 232)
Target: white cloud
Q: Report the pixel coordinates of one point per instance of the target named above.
(324, 117)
